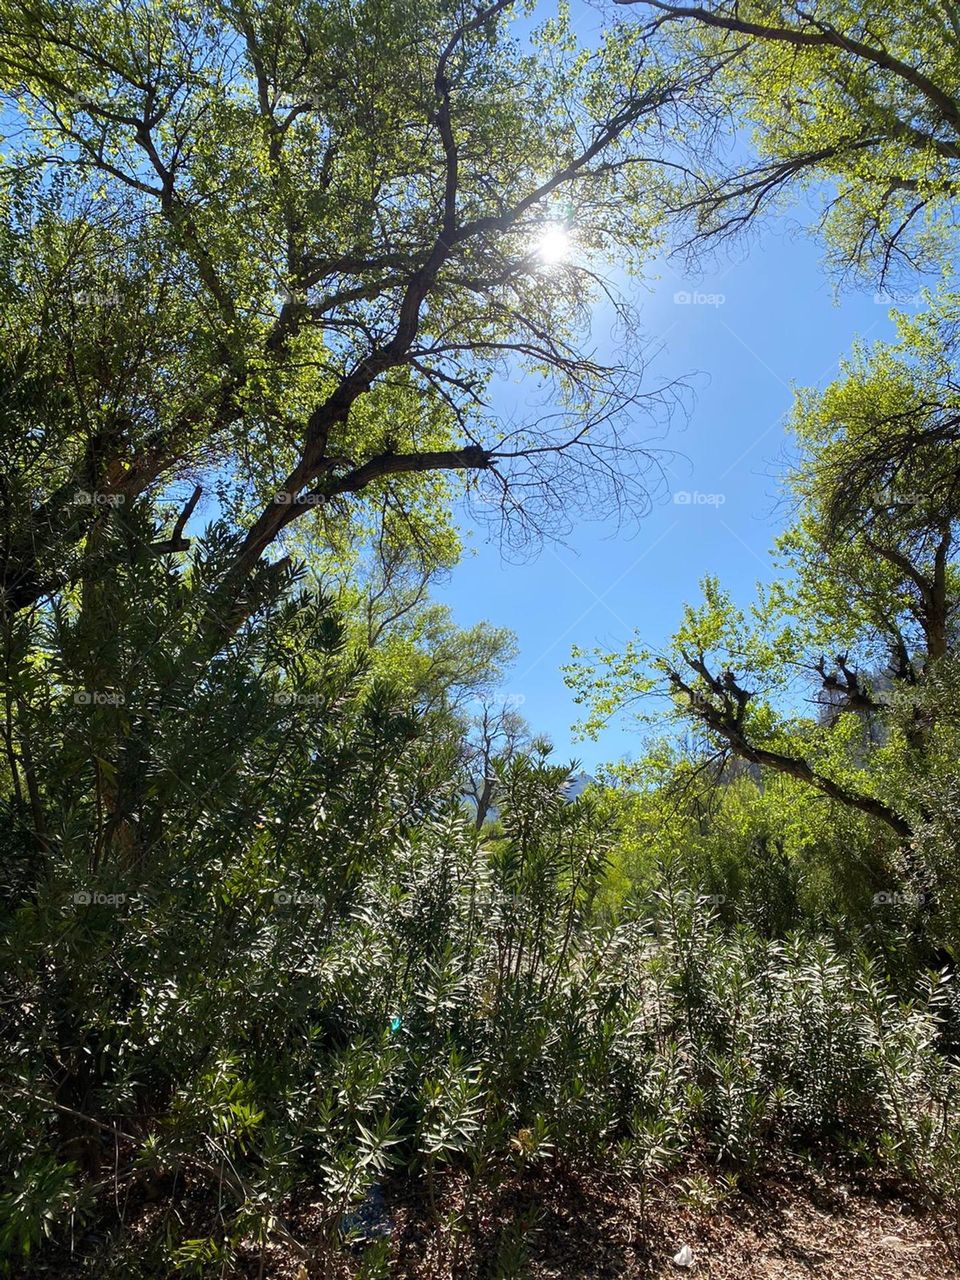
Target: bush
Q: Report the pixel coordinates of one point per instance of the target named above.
(259, 945)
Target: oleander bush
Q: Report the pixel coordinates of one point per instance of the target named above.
(290, 960)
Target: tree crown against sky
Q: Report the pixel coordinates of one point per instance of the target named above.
(862, 103)
(292, 248)
(860, 99)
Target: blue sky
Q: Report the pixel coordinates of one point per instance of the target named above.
(780, 325)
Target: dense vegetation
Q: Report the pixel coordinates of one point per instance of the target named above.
(263, 264)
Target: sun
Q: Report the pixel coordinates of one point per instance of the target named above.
(553, 244)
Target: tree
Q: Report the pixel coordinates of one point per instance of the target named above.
(860, 102)
(406, 637)
(872, 586)
(494, 735)
(293, 251)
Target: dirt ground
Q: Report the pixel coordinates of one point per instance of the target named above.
(791, 1225)
(793, 1222)
(785, 1230)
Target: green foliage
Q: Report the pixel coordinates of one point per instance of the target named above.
(256, 952)
(41, 1199)
(857, 102)
(258, 941)
(290, 251)
(840, 681)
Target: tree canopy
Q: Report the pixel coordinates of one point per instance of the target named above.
(292, 249)
(857, 103)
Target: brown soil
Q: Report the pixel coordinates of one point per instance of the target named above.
(792, 1225)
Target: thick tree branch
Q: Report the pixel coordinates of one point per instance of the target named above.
(726, 725)
(824, 36)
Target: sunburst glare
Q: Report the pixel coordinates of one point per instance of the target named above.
(553, 244)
